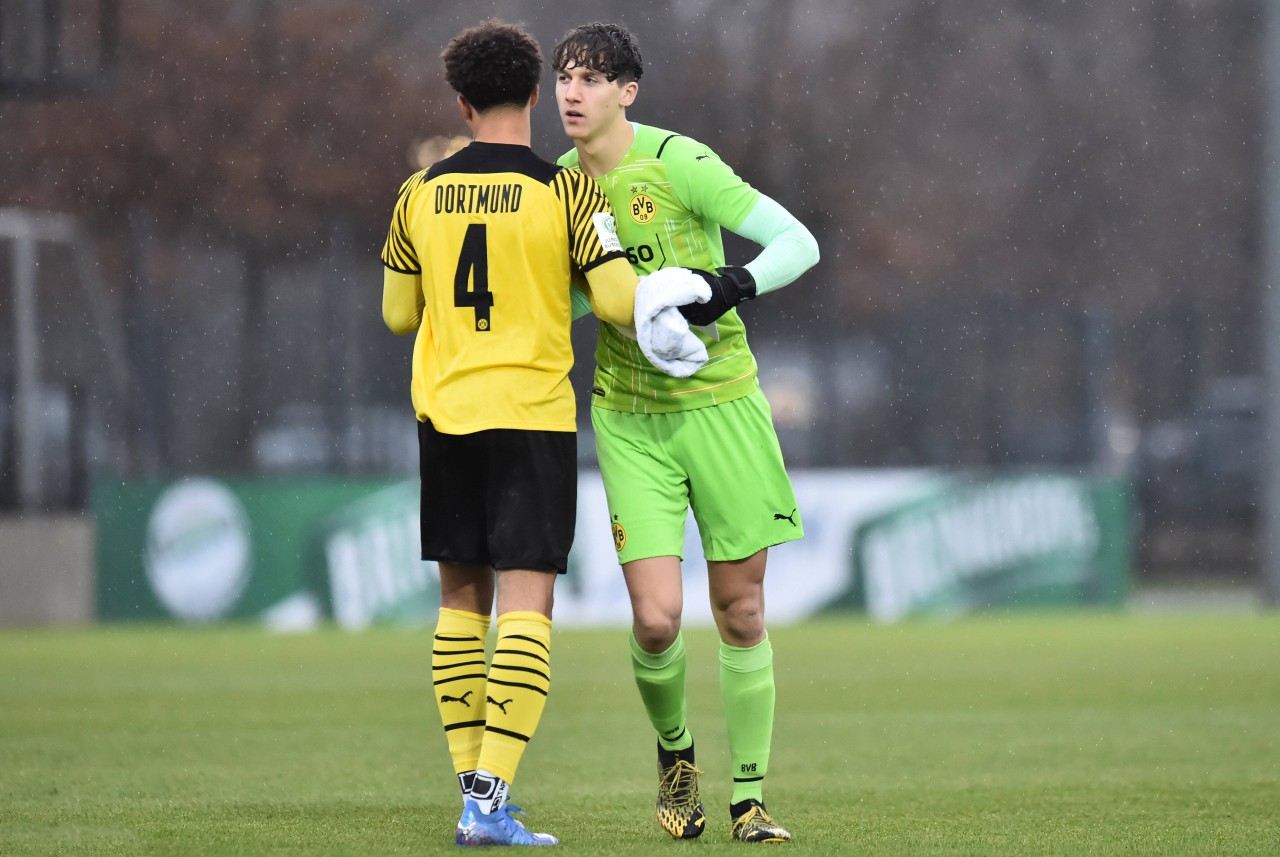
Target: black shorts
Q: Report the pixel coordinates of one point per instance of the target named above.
(506, 498)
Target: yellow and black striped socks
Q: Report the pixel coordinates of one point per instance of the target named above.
(458, 675)
(516, 693)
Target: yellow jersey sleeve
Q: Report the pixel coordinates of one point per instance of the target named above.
(398, 252)
(593, 235)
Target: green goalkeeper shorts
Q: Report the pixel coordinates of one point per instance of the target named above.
(723, 461)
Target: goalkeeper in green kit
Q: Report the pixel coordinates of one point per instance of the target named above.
(666, 444)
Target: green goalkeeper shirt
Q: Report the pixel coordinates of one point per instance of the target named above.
(670, 196)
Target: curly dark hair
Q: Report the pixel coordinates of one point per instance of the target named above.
(493, 64)
(607, 48)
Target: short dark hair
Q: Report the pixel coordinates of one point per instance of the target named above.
(607, 48)
(493, 63)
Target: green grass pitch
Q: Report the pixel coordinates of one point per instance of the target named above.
(1037, 734)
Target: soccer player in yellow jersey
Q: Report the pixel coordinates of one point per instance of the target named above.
(705, 441)
(478, 262)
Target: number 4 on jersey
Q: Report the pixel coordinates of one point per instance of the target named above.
(471, 282)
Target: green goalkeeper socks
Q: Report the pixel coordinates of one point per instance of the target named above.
(746, 685)
(660, 679)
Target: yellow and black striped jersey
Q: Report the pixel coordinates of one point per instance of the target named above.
(493, 233)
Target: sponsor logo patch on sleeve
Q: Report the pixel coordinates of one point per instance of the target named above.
(607, 232)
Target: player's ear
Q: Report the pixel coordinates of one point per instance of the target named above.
(533, 99)
(468, 112)
(629, 93)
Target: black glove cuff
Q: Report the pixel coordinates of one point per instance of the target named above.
(741, 279)
(729, 287)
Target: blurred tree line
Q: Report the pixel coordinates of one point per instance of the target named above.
(1039, 220)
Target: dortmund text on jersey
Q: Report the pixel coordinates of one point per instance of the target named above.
(495, 232)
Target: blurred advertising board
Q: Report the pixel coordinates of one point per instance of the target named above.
(295, 553)
(201, 549)
(1008, 542)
